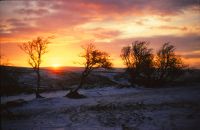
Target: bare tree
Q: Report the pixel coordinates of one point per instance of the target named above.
(94, 59)
(126, 55)
(35, 49)
(168, 64)
(138, 59)
(146, 69)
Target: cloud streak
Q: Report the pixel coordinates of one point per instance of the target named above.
(32, 11)
(144, 7)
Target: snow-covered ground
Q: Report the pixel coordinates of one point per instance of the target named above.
(109, 108)
(89, 92)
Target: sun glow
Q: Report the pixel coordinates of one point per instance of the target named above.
(56, 66)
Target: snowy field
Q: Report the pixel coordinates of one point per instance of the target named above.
(107, 108)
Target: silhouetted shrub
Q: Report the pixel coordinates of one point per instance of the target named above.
(145, 68)
(169, 66)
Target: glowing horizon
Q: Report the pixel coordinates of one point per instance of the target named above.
(110, 25)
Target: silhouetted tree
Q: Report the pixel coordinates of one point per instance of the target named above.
(94, 59)
(146, 69)
(139, 61)
(168, 64)
(35, 49)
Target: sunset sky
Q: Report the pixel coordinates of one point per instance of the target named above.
(110, 24)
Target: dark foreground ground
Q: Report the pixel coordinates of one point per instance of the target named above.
(176, 108)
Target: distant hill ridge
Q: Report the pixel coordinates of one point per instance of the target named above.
(62, 68)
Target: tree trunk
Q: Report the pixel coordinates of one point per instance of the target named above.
(38, 85)
(81, 84)
(74, 92)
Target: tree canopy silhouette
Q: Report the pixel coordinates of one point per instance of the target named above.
(35, 49)
(139, 61)
(93, 59)
(145, 68)
(168, 64)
